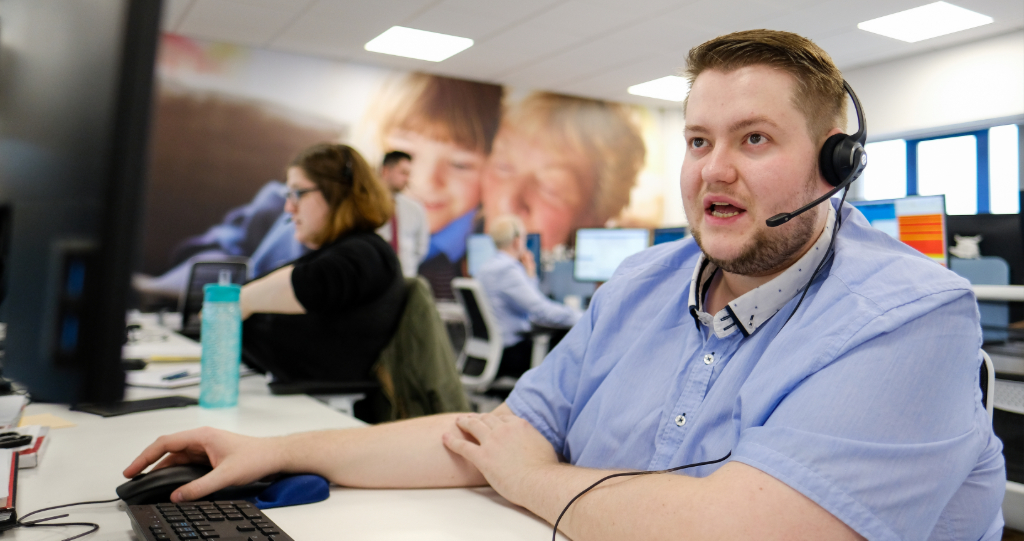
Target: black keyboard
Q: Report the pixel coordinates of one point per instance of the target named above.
(224, 521)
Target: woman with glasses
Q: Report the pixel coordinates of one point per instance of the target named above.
(327, 315)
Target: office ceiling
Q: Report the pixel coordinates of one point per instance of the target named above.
(593, 48)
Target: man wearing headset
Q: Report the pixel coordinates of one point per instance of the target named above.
(509, 279)
(838, 366)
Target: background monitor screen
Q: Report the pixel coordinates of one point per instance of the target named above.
(533, 245)
(479, 248)
(668, 234)
(918, 221)
(600, 251)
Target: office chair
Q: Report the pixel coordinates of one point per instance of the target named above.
(988, 382)
(481, 355)
(414, 374)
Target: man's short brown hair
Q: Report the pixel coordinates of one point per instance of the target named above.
(357, 198)
(819, 92)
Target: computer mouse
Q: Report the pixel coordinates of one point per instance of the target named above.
(157, 486)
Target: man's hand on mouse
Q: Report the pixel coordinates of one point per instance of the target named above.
(236, 459)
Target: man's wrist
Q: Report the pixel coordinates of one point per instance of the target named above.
(536, 485)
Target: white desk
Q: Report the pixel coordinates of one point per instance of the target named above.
(85, 463)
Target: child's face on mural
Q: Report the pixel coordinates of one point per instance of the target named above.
(445, 177)
(549, 188)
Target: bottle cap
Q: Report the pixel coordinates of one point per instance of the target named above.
(219, 293)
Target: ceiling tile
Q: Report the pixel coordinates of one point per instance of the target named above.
(173, 12)
(510, 12)
(457, 23)
(583, 19)
(594, 48)
(724, 16)
(338, 29)
(239, 22)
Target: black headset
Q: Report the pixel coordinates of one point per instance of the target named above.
(841, 161)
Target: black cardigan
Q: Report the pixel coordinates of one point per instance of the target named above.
(353, 292)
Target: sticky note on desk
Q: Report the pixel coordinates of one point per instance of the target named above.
(46, 419)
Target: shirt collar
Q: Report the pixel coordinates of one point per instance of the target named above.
(750, 310)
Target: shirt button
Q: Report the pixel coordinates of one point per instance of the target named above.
(681, 420)
(709, 358)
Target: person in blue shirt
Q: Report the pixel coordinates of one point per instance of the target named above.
(850, 401)
(509, 279)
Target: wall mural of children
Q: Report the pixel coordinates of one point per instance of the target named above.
(448, 127)
(562, 163)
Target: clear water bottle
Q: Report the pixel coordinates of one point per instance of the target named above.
(222, 345)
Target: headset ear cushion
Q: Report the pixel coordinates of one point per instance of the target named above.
(826, 159)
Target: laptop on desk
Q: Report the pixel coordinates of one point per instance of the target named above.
(206, 272)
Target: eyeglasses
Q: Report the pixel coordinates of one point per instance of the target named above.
(295, 195)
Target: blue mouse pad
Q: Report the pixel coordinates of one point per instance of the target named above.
(294, 490)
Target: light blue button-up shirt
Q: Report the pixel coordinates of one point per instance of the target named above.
(867, 401)
(516, 300)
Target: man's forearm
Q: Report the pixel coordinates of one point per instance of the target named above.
(404, 454)
(738, 502)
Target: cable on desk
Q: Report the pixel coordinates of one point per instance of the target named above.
(554, 531)
(38, 523)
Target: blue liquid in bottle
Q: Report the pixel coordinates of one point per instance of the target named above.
(222, 345)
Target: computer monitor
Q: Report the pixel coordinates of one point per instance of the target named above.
(202, 273)
(479, 248)
(918, 221)
(600, 251)
(533, 245)
(76, 81)
(668, 234)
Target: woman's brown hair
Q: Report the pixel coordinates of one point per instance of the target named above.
(358, 200)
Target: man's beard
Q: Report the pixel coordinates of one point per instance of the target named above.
(769, 249)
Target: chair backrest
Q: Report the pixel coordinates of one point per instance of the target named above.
(988, 382)
(482, 354)
(416, 369)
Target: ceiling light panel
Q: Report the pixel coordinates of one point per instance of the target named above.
(418, 44)
(925, 22)
(671, 88)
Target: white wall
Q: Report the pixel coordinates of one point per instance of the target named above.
(955, 89)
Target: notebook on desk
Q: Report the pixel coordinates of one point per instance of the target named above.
(8, 488)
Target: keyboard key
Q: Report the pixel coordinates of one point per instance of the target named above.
(209, 535)
(204, 527)
(269, 532)
(234, 517)
(246, 528)
(215, 518)
(180, 524)
(188, 536)
(251, 513)
(161, 537)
